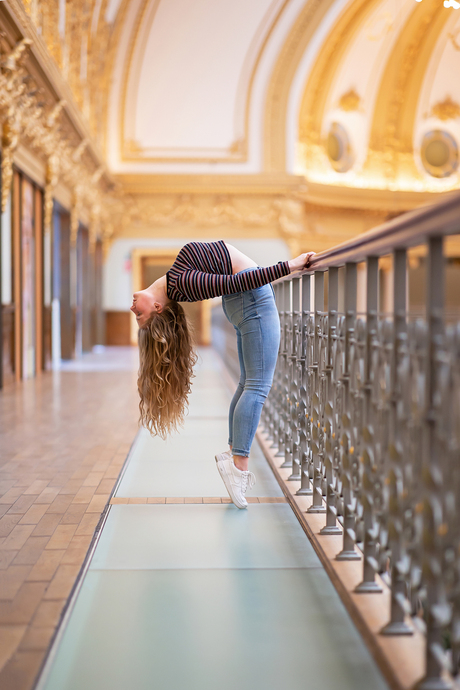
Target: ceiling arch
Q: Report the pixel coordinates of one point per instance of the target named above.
(371, 93)
(220, 86)
(191, 92)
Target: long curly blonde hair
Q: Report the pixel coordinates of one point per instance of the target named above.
(166, 360)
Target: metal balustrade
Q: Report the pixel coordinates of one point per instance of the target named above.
(365, 408)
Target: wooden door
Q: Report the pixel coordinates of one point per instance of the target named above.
(62, 284)
(7, 303)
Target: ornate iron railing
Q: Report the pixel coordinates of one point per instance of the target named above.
(365, 409)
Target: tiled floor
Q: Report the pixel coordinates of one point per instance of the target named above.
(63, 440)
(198, 594)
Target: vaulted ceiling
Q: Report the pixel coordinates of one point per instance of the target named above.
(359, 94)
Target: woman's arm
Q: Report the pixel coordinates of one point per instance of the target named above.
(240, 261)
(191, 284)
(197, 285)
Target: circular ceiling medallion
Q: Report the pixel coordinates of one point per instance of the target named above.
(338, 148)
(439, 153)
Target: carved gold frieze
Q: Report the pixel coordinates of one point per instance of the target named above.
(81, 43)
(10, 140)
(189, 209)
(13, 90)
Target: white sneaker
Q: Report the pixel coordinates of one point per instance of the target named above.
(236, 481)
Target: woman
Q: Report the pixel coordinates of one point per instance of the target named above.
(200, 271)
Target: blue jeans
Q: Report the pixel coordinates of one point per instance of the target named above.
(255, 318)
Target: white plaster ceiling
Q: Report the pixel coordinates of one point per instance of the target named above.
(189, 84)
(196, 55)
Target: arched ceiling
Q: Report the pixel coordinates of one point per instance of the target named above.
(344, 92)
(189, 83)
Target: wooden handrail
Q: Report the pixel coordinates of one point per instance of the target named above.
(408, 230)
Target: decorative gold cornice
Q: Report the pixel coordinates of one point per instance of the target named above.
(245, 185)
(382, 201)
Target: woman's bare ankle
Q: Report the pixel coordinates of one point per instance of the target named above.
(241, 462)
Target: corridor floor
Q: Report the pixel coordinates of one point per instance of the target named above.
(186, 591)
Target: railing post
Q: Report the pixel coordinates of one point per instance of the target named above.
(278, 438)
(287, 386)
(369, 476)
(330, 412)
(395, 478)
(270, 409)
(305, 488)
(315, 409)
(348, 552)
(296, 353)
(438, 609)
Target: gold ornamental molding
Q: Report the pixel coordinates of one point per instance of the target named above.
(15, 11)
(391, 133)
(336, 198)
(212, 212)
(12, 90)
(323, 72)
(279, 87)
(52, 179)
(260, 184)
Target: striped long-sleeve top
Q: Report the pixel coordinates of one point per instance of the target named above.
(204, 269)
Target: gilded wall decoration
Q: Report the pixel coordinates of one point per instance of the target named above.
(51, 180)
(13, 89)
(302, 31)
(446, 109)
(292, 222)
(317, 88)
(188, 209)
(27, 116)
(81, 43)
(390, 152)
(350, 101)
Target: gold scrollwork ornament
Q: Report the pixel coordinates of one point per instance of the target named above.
(52, 178)
(10, 140)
